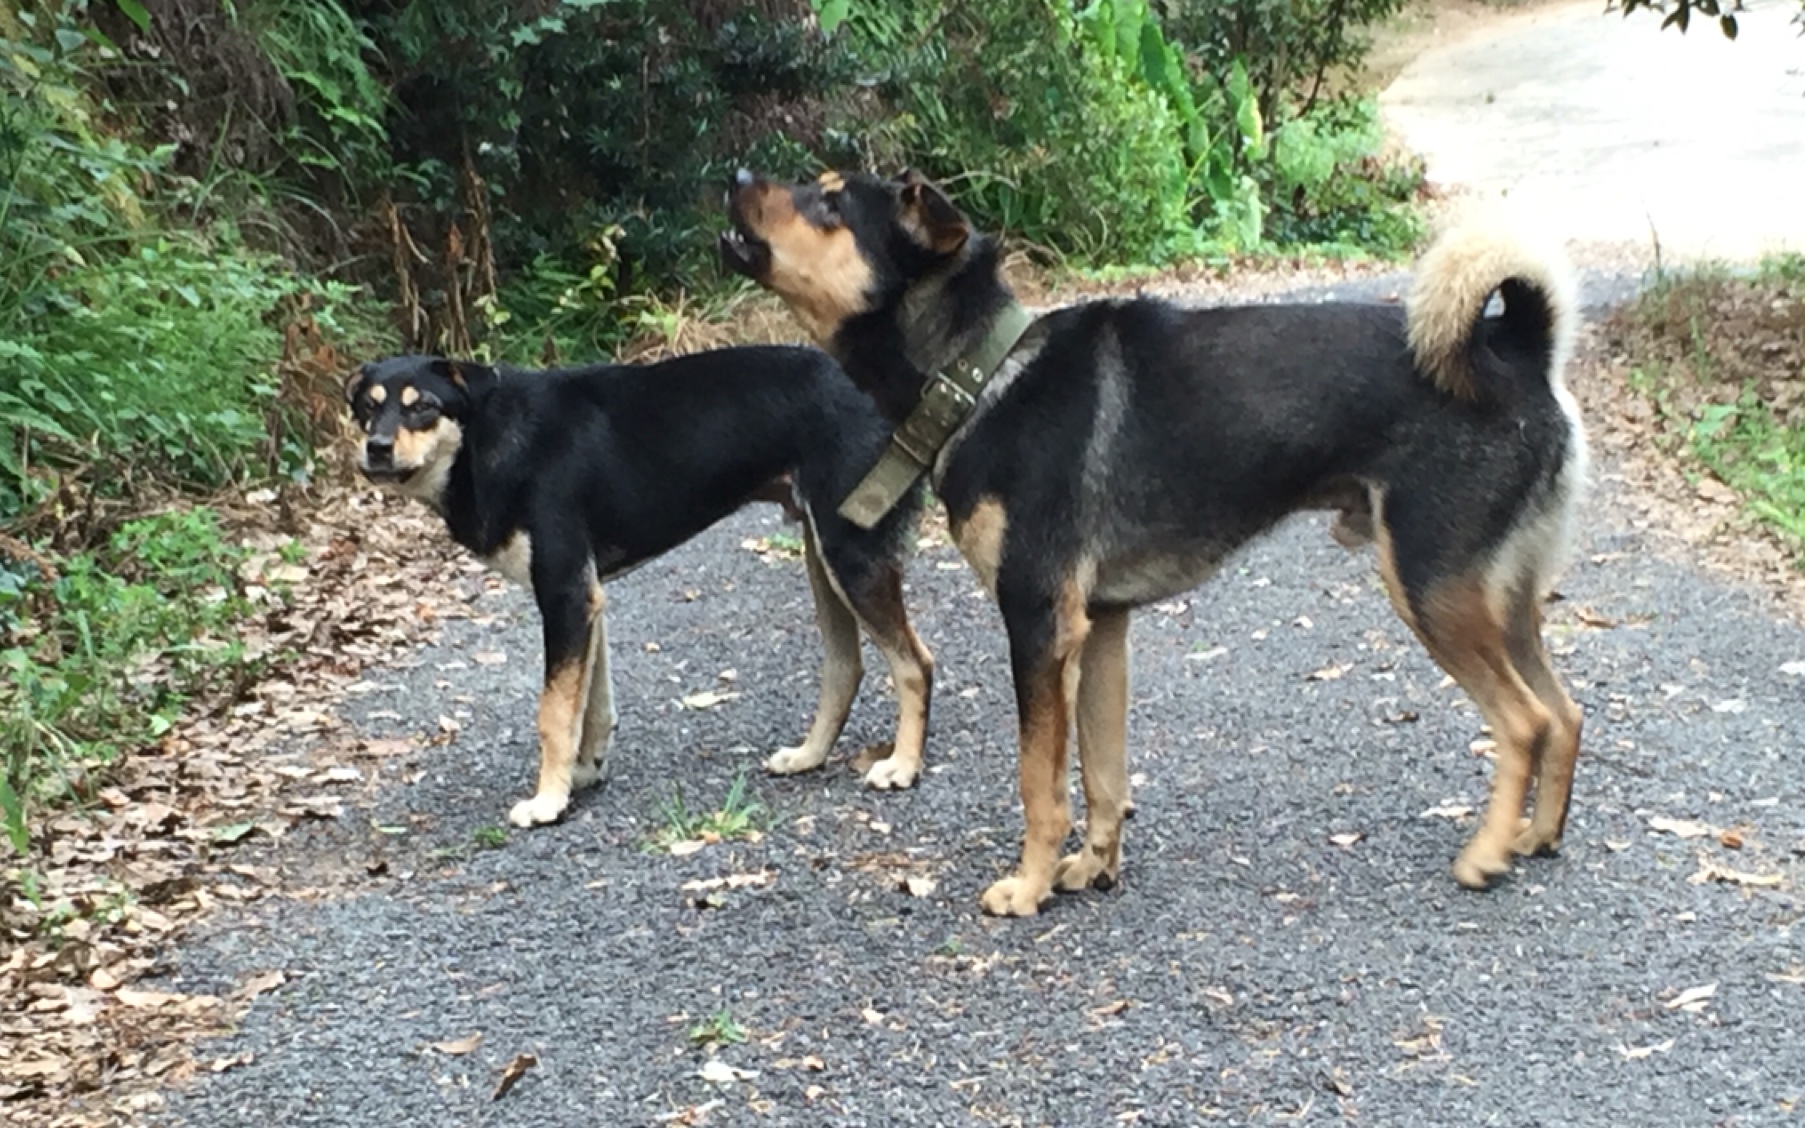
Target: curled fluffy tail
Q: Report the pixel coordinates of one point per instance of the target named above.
(1456, 345)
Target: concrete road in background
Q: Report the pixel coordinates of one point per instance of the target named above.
(1612, 130)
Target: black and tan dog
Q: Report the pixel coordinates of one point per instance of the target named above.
(1122, 449)
(564, 479)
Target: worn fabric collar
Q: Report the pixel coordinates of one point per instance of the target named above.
(947, 399)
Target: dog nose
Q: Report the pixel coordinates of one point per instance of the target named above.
(380, 448)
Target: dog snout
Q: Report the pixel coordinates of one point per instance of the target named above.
(379, 450)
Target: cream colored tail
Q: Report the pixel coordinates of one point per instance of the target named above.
(1465, 266)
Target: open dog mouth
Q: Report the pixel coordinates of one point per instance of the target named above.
(743, 252)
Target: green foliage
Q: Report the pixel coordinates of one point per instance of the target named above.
(1718, 353)
(343, 109)
(738, 816)
(125, 342)
(1331, 182)
(1723, 11)
(101, 657)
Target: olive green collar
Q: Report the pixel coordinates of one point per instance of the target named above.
(947, 399)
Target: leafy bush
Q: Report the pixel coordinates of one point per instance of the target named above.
(1331, 182)
(125, 343)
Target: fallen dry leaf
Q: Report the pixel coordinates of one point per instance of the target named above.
(1730, 840)
(460, 1046)
(918, 886)
(142, 1000)
(260, 984)
(1639, 1052)
(1679, 828)
(1332, 672)
(1347, 839)
(1593, 619)
(686, 847)
(1709, 870)
(489, 658)
(717, 1072)
(1448, 811)
(1693, 999)
(708, 698)
(731, 881)
(512, 1073)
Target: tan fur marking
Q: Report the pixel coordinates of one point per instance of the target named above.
(980, 540)
(429, 454)
(410, 396)
(831, 181)
(378, 394)
(1464, 635)
(818, 272)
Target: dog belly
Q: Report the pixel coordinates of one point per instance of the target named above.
(1137, 582)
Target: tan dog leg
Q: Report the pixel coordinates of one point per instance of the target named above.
(1102, 756)
(1045, 736)
(842, 668)
(1554, 772)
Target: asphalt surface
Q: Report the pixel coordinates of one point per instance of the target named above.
(1610, 129)
(1260, 964)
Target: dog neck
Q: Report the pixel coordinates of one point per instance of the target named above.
(892, 352)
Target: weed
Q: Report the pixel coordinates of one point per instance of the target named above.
(737, 817)
(489, 837)
(718, 1029)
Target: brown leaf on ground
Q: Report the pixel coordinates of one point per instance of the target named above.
(512, 1073)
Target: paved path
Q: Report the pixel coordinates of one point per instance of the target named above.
(1610, 128)
(1251, 970)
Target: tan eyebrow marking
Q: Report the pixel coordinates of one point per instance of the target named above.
(378, 394)
(831, 181)
(410, 396)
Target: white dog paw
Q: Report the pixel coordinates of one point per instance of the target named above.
(789, 761)
(539, 810)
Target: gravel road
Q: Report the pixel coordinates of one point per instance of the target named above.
(1287, 946)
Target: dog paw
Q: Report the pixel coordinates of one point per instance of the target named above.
(1530, 842)
(789, 761)
(1479, 863)
(539, 810)
(892, 775)
(1087, 869)
(588, 774)
(1013, 897)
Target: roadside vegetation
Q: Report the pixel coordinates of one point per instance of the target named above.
(1720, 355)
(206, 208)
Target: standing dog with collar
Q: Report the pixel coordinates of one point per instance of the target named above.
(1114, 453)
(564, 479)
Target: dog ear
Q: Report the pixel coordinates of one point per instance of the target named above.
(930, 216)
(465, 375)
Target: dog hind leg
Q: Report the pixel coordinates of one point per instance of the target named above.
(842, 667)
(1554, 773)
(599, 715)
(1102, 711)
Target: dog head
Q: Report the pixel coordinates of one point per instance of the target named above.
(412, 410)
(840, 245)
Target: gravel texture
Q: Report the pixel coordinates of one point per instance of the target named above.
(1287, 945)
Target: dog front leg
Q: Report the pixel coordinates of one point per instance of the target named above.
(1045, 649)
(571, 644)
